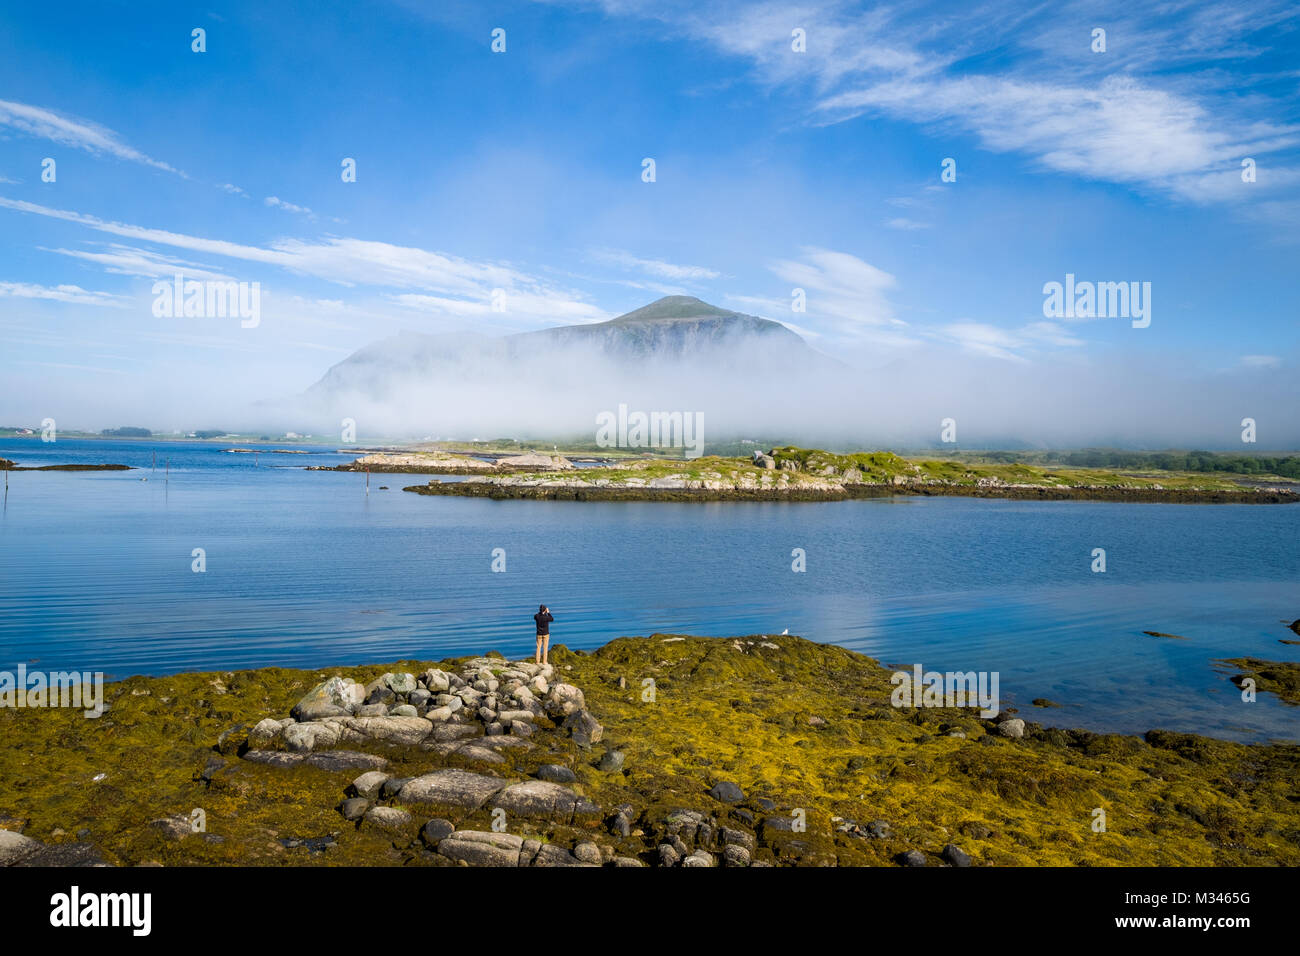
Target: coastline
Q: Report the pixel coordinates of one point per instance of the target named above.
(739, 737)
(552, 489)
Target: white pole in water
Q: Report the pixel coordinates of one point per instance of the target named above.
(167, 471)
(155, 463)
(367, 481)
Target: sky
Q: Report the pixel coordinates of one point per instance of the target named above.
(499, 192)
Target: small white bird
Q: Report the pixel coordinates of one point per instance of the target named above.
(785, 632)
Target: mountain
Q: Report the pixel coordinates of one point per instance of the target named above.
(675, 354)
(675, 333)
(674, 327)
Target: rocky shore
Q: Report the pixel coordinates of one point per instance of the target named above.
(655, 751)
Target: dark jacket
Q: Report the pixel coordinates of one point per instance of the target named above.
(543, 620)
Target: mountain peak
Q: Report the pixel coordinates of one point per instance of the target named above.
(674, 307)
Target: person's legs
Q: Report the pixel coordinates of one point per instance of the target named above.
(538, 656)
(546, 646)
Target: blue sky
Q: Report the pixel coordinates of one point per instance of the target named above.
(521, 171)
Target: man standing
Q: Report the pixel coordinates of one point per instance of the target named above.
(543, 619)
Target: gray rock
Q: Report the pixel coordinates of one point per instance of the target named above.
(556, 773)
(668, 855)
(64, 854)
(345, 760)
(354, 809)
(393, 786)
(699, 858)
(735, 855)
(479, 848)
(583, 728)
(368, 784)
(565, 699)
(627, 861)
(311, 735)
(389, 818)
(331, 698)
(401, 683)
(955, 855)
(436, 681)
(727, 792)
(404, 710)
(521, 728)
(588, 853)
(382, 695)
(494, 729)
(15, 846)
(264, 734)
(274, 758)
(436, 830)
(912, 858)
(538, 798)
(1014, 728)
(419, 697)
(730, 837)
(552, 855)
(452, 788)
(611, 762)
(372, 710)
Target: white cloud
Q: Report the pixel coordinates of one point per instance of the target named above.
(61, 293)
(276, 203)
(1006, 344)
(132, 261)
(1261, 361)
(655, 267)
(1125, 116)
(46, 124)
(908, 225)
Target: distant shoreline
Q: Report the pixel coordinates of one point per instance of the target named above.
(573, 491)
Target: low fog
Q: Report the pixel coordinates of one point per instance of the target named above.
(415, 386)
(746, 389)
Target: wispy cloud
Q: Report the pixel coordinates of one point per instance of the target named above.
(276, 203)
(61, 293)
(66, 131)
(1023, 80)
(653, 267)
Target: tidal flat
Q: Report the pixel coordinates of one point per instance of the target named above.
(755, 750)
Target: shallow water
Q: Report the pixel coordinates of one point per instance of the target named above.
(304, 569)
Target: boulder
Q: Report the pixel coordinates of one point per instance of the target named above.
(480, 848)
(727, 792)
(354, 809)
(1013, 728)
(368, 784)
(401, 683)
(389, 818)
(451, 788)
(583, 728)
(331, 698)
(15, 846)
(539, 799)
(555, 773)
(436, 830)
(266, 733)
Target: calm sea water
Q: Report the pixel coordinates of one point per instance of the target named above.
(304, 569)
